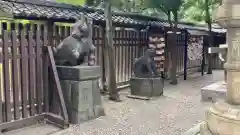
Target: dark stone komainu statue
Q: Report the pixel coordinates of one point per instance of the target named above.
(76, 49)
(145, 67)
(146, 81)
(78, 74)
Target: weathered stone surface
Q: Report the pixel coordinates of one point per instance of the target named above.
(145, 66)
(146, 87)
(214, 92)
(194, 130)
(76, 49)
(223, 119)
(82, 97)
(204, 129)
(78, 73)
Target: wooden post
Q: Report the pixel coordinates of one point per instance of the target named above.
(113, 95)
(203, 60)
(103, 61)
(210, 35)
(185, 56)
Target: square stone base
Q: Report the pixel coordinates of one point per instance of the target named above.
(214, 91)
(146, 87)
(81, 92)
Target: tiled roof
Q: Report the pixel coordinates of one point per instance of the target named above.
(37, 9)
(40, 9)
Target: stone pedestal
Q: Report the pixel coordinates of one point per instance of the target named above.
(214, 91)
(146, 87)
(81, 92)
(224, 117)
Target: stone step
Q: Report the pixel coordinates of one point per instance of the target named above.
(38, 129)
(214, 92)
(194, 130)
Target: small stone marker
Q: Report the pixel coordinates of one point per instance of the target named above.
(214, 91)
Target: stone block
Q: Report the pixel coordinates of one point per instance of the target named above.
(214, 92)
(146, 87)
(78, 73)
(82, 97)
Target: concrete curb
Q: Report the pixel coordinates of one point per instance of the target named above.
(194, 130)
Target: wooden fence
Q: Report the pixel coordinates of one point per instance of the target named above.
(24, 72)
(24, 77)
(128, 44)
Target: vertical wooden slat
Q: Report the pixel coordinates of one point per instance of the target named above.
(57, 36)
(68, 31)
(15, 76)
(1, 86)
(120, 61)
(32, 84)
(116, 54)
(34, 34)
(1, 100)
(24, 74)
(65, 32)
(39, 77)
(62, 32)
(103, 56)
(6, 76)
(121, 56)
(19, 29)
(126, 55)
(131, 55)
(45, 74)
(71, 29)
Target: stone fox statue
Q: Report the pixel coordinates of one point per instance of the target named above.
(145, 67)
(76, 49)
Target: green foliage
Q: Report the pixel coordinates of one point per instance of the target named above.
(73, 2)
(195, 10)
(186, 10)
(169, 7)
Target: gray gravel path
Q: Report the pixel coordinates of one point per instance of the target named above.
(172, 114)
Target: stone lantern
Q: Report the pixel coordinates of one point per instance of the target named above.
(224, 117)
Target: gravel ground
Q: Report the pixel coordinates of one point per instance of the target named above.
(172, 114)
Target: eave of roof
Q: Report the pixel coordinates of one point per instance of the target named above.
(37, 9)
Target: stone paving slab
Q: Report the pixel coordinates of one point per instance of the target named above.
(38, 129)
(172, 114)
(214, 92)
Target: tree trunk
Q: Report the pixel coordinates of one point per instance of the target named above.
(168, 50)
(211, 42)
(104, 63)
(210, 35)
(113, 92)
(174, 52)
